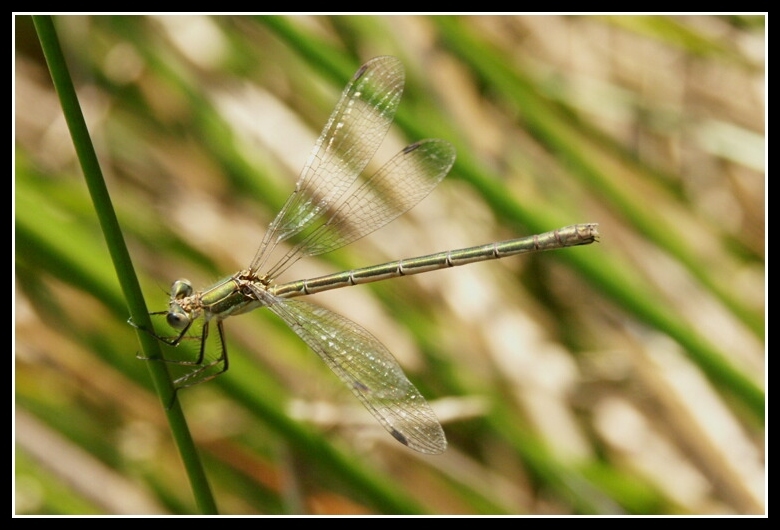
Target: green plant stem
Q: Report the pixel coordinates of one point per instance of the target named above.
(121, 259)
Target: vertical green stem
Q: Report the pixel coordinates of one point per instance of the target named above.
(121, 258)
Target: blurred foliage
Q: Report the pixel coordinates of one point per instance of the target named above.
(624, 377)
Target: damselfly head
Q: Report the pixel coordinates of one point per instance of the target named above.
(178, 317)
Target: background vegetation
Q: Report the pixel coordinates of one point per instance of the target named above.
(623, 377)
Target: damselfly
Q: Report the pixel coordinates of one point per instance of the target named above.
(329, 209)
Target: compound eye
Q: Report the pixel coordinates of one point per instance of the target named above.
(181, 289)
(178, 319)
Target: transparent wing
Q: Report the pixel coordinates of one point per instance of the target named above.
(349, 140)
(369, 370)
(398, 186)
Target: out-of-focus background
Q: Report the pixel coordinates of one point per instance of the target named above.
(622, 377)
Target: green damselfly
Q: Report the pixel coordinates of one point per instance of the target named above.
(329, 209)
